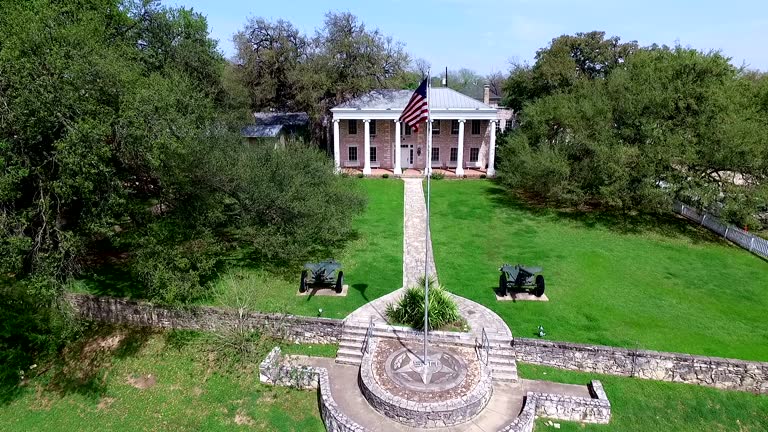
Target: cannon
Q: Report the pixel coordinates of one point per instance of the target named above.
(521, 278)
(325, 273)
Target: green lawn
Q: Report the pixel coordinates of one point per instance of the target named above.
(656, 283)
(642, 405)
(156, 381)
(373, 267)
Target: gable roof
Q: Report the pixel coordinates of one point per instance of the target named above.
(270, 124)
(439, 98)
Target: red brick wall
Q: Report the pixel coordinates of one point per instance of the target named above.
(445, 141)
(384, 141)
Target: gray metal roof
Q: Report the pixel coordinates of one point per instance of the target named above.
(261, 131)
(440, 98)
(269, 124)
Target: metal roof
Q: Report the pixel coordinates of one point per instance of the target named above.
(439, 98)
(261, 131)
(269, 124)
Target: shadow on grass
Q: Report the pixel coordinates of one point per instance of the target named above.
(666, 224)
(361, 287)
(84, 366)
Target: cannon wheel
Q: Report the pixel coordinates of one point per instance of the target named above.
(339, 282)
(502, 284)
(303, 283)
(539, 290)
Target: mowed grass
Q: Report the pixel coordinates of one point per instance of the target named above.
(642, 405)
(138, 380)
(656, 283)
(372, 265)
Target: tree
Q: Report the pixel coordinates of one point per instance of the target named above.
(268, 55)
(671, 123)
(119, 132)
(286, 70)
(567, 60)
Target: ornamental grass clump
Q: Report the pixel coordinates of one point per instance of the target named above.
(409, 310)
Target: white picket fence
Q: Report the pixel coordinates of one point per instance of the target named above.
(752, 243)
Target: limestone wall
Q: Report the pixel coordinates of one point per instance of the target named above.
(273, 371)
(294, 328)
(716, 372)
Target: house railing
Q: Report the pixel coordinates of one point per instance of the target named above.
(748, 241)
(483, 348)
(368, 336)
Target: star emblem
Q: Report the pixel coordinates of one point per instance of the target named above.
(425, 372)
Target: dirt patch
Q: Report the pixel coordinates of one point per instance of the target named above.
(142, 382)
(105, 403)
(242, 419)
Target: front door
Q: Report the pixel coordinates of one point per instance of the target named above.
(406, 155)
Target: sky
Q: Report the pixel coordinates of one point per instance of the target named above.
(487, 35)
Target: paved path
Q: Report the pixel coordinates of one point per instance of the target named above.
(414, 233)
(414, 245)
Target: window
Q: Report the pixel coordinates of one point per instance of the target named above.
(435, 128)
(435, 154)
(373, 154)
(475, 127)
(454, 127)
(352, 127)
(454, 154)
(407, 129)
(352, 154)
(474, 152)
(373, 127)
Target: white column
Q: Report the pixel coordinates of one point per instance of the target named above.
(460, 159)
(398, 152)
(336, 146)
(492, 151)
(367, 150)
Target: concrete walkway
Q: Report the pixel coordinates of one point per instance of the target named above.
(414, 234)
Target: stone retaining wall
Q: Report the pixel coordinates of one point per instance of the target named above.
(566, 408)
(291, 327)
(716, 372)
(273, 371)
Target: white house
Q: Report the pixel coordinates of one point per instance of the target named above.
(367, 134)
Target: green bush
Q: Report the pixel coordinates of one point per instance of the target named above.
(385, 176)
(438, 176)
(360, 175)
(482, 176)
(409, 310)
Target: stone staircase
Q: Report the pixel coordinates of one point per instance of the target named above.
(501, 356)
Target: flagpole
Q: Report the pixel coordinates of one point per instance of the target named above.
(428, 172)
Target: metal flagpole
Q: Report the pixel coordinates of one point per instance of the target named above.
(428, 172)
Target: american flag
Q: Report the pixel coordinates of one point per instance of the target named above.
(417, 109)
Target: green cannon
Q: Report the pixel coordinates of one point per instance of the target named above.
(521, 278)
(322, 274)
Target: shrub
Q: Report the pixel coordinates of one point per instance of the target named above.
(482, 176)
(438, 176)
(409, 310)
(385, 176)
(360, 175)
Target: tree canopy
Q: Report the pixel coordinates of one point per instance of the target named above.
(120, 139)
(640, 128)
(286, 70)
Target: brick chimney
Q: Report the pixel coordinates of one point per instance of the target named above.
(487, 94)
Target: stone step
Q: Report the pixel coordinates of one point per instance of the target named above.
(504, 377)
(496, 342)
(351, 356)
